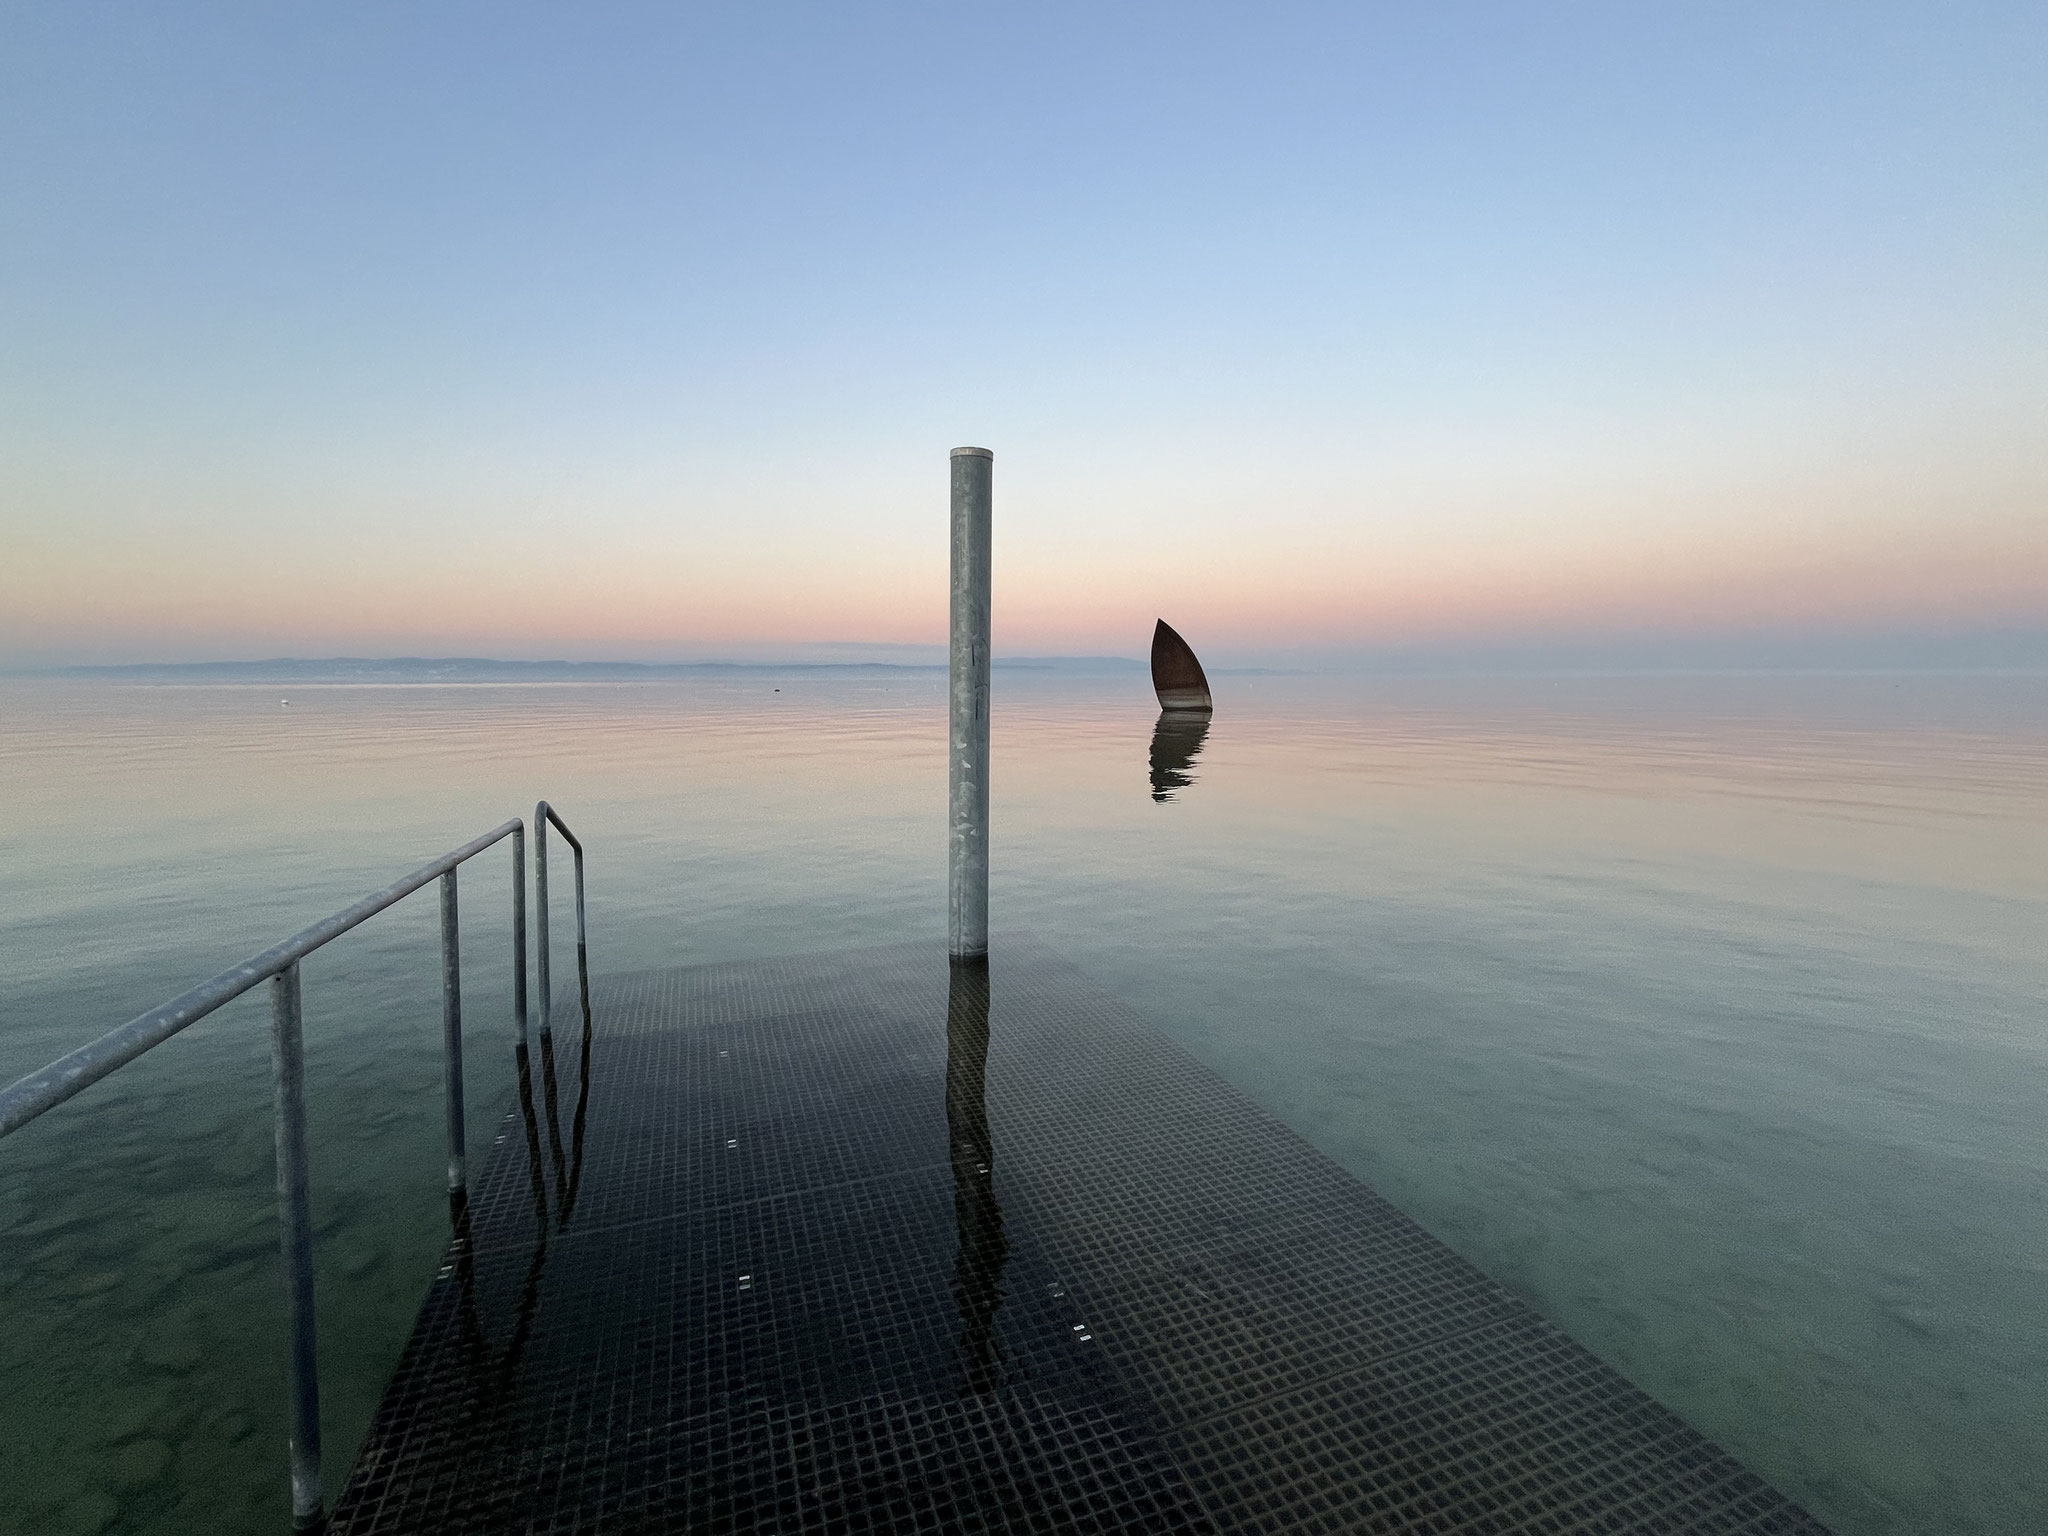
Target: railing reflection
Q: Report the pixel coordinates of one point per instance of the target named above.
(978, 1268)
(569, 1170)
(494, 1371)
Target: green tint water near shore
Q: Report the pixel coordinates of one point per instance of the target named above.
(1706, 1012)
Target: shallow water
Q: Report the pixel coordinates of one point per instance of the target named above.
(1706, 1012)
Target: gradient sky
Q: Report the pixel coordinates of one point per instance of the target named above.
(644, 331)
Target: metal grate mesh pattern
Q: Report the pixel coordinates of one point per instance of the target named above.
(867, 1242)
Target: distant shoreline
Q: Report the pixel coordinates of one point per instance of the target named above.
(434, 668)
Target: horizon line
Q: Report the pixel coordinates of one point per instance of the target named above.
(1531, 663)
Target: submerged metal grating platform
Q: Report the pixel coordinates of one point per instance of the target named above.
(866, 1242)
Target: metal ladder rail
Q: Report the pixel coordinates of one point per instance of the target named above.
(543, 813)
(43, 1090)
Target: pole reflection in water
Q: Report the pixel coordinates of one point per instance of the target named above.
(1176, 741)
(978, 1269)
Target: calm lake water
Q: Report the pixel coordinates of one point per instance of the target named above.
(1706, 1012)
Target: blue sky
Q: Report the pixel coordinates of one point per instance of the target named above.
(644, 331)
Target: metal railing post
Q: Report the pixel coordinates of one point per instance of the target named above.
(451, 1034)
(967, 756)
(519, 933)
(543, 813)
(295, 1244)
(543, 976)
(582, 938)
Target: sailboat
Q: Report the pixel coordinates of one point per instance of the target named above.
(1177, 677)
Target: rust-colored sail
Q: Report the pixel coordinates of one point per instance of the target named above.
(1177, 677)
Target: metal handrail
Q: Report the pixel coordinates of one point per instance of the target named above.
(42, 1091)
(68, 1075)
(544, 813)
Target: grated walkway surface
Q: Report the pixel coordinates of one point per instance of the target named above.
(866, 1242)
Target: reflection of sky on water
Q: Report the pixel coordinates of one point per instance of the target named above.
(1704, 1011)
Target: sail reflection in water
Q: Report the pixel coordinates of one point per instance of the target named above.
(1176, 742)
(978, 1268)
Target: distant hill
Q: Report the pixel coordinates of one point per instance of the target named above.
(1071, 663)
(431, 668)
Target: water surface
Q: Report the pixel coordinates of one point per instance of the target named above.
(1706, 1012)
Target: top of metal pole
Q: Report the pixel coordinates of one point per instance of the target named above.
(972, 453)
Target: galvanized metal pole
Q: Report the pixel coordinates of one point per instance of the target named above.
(451, 1034)
(967, 759)
(295, 1243)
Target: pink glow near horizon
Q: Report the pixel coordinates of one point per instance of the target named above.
(1287, 595)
